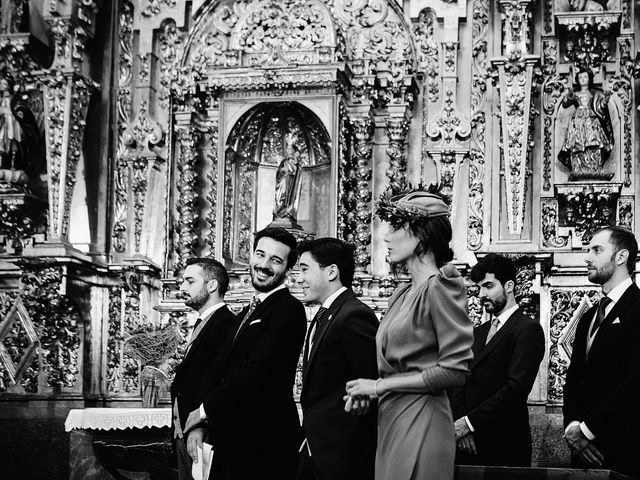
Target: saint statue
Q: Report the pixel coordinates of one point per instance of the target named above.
(21, 141)
(586, 6)
(287, 181)
(589, 137)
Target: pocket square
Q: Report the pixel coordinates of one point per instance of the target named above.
(616, 321)
(258, 320)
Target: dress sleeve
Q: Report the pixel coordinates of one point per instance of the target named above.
(454, 331)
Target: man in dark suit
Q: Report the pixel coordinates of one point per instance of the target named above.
(247, 398)
(204, 283)
(492, 418)
(340, 346)
(601, 396)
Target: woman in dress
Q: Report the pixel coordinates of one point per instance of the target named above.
(589, 139)
(423, 343)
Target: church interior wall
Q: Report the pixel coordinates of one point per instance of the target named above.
(135, 102)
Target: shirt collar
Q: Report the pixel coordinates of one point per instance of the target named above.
(617, 291)
(211, 310)
(327, 303)
(504, 316)
(262, 296)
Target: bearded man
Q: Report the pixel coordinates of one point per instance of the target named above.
(601, 392)
(247, 405)
(204, 283)
(492, 418)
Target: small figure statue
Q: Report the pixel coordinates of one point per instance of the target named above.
(586, 6)
(589, 139)
(287, 180)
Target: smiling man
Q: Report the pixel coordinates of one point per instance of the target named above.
(247, 398)
(603, 380)
(492, 418)
(340, 346)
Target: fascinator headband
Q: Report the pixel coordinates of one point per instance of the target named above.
(401, 203)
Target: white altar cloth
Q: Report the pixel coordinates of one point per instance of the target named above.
(117, 418)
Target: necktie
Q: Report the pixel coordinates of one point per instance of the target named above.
(494, 328)
(313, 328)
(600, 314)
(194, 334)
(255, 301)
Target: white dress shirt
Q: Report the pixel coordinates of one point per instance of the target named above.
(502, 319)
(615, 294)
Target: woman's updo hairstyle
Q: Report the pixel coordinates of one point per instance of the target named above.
(425, 212)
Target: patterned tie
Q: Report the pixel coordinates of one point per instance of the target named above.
(313, 328)
(600, 314)
(494, 328)
(255, 301)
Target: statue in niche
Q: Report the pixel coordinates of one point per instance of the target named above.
(288, 180)
(589, 137)
(12, 15)
(586, 6)
(22, 149)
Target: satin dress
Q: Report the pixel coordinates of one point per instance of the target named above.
(426, 330)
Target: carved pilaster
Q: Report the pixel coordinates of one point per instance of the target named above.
(213, 116)
(56, 319)
(172, 41)
(67, 91)
(552, 90)
(186, 237)
(66, 101)
(515, 78)
(347, 188)
(397, 129)
(428, 55)
(362, 131)
(477, 157)
(449, 129)
(621, 85)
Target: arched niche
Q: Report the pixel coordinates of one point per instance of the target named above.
(277, 170)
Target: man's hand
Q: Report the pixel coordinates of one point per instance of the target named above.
(575, 438)
(358, 405)
(194, 440)
(582, 446)
(461, 428)
(466, 444)
(192, 421)
(591, 455)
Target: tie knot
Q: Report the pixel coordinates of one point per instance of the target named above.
(604, 302)
(320, 313)
(495, 322)
(255, 301)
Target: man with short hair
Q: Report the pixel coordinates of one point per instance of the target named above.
(204, 283)
(247, 397)
(340, 346)
(601, 392)
(492, 418)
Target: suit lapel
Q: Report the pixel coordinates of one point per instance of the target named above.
(326, 322)
(207, 326)
(499, 336)
(618, 308)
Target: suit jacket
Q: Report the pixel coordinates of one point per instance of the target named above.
(248, 394)
(495, 395)
(343, 446)
(601, 389)
(198, 361)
